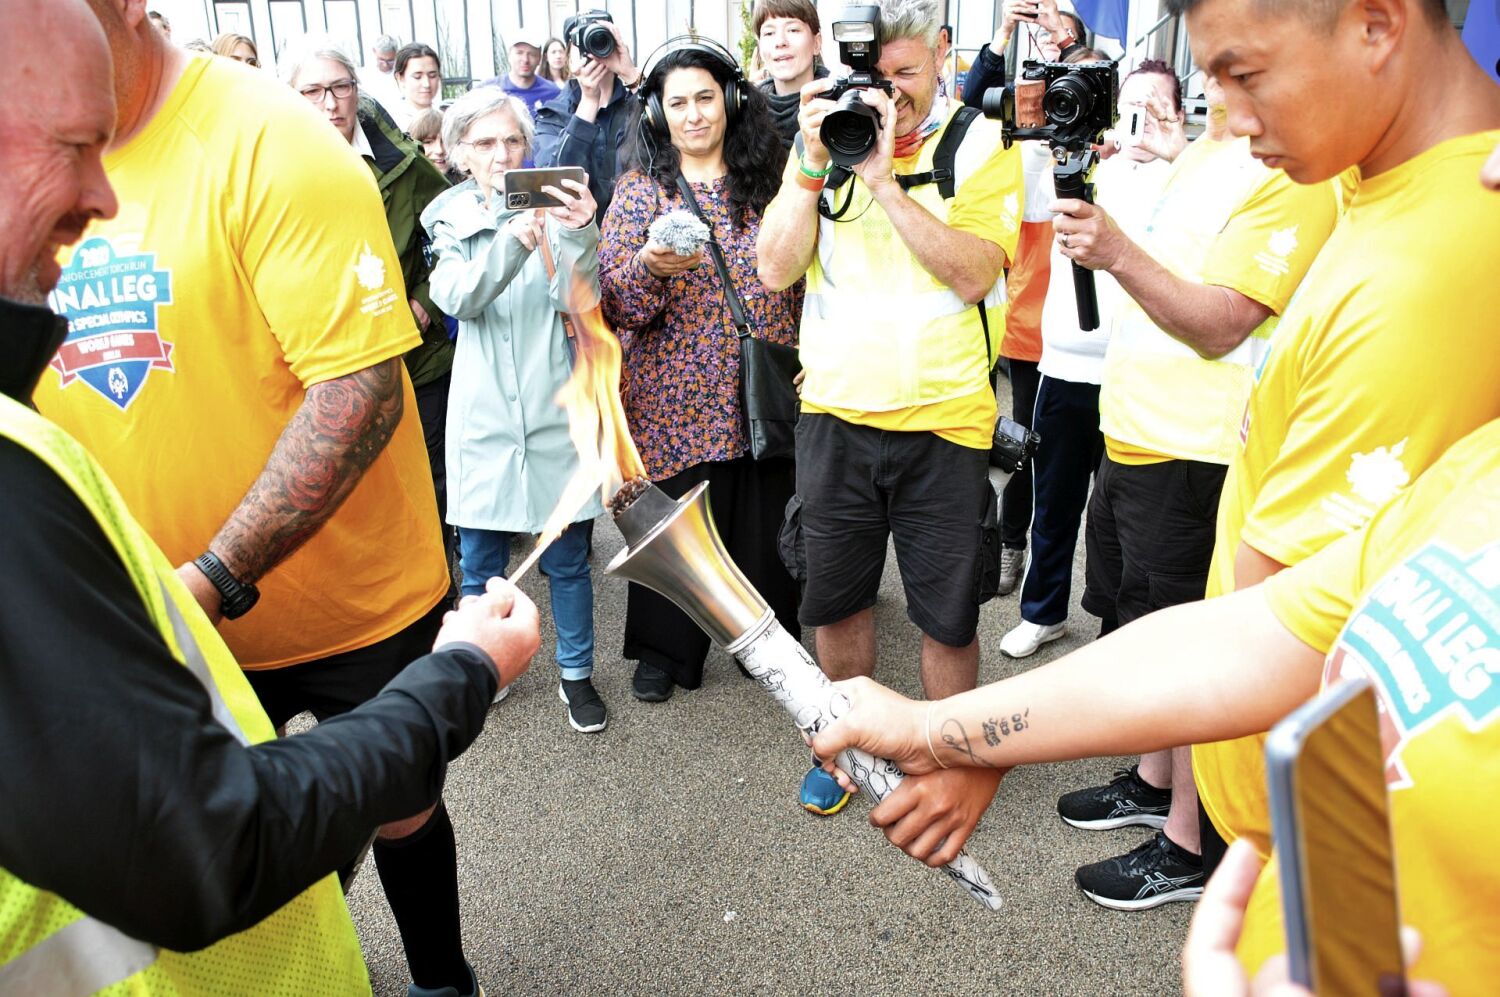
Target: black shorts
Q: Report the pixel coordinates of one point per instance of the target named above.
(1150, 536)
(859, 487)
(340, 682)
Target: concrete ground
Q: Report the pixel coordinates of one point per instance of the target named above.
(667, 854)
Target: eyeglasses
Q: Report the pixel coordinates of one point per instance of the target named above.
(340, 90)
(485, 146)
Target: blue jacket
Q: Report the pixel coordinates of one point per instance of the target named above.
(564, 139)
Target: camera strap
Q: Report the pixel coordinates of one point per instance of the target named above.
(736, 309)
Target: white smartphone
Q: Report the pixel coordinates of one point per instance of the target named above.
(1131, 127)
(1330, 825)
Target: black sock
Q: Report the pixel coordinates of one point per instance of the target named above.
(420, 876)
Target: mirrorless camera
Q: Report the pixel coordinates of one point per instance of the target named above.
(1069, 106)
(589, 33)
(850, 130)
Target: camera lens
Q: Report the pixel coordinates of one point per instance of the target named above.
(849, 131)
(1067, 101)
(597, 41)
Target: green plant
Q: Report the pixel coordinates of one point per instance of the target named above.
(747, 33)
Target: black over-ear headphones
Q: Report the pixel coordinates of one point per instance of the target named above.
(736, 94)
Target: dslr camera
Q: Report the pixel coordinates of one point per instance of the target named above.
(590, 34)
(850, 130)
(1068, 105)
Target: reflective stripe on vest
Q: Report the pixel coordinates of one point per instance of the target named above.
(879, 333)
(80, 959)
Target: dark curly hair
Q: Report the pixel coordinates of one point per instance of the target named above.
(753, 154)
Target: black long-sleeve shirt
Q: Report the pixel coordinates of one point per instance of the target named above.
(121, 792)
(986, 71)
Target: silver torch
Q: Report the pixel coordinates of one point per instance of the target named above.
(673, 548)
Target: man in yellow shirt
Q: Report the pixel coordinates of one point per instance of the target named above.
(897, 408)
(1412, 602)
(233, 359)
(1388, 354)
(1228, 242)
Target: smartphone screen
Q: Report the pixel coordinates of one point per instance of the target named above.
(1337, 866)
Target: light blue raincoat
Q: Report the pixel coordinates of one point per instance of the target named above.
(508, 451)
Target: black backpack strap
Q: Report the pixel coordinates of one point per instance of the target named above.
(942, 172)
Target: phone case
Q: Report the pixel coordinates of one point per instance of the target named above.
(523, 188)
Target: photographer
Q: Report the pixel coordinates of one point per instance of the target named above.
(1228, 243)
(585, 124)
(897, 409)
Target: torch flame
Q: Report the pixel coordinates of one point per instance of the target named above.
(607, 457)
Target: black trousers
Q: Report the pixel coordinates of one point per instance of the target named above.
(1015, 500)
(432, 407)
(1067, 418)
(748, 499)
(1150, 536)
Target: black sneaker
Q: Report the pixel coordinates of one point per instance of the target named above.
(586, 712)
(1153, 873)
(1127, 800)
(651, 684)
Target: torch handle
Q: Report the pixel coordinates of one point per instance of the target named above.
(784, 669)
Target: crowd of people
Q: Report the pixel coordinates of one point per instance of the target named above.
(1288, 402)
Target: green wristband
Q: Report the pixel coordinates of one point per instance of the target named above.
(802, 165)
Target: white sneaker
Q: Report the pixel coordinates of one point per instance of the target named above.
(500, 695)
(1026, 638)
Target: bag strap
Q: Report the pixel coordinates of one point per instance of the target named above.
(736, 309)
(551, 265)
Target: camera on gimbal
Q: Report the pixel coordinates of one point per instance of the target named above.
(589, 33)
(1068, 105)
(850, 131)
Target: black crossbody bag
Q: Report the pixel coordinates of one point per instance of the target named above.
(767, 395)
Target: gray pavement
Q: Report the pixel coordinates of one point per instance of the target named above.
(667, 854)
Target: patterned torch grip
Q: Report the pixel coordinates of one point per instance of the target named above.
(784, 669)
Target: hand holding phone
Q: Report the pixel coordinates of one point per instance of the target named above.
(524, 188)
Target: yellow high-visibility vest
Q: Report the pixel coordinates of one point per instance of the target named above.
(880, 333)
(48, 946)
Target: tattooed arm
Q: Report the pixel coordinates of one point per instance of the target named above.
(336, 434)
(1195, 673)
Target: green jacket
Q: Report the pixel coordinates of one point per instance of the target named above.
(408, 183)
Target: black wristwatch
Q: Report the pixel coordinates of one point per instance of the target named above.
(236, 598)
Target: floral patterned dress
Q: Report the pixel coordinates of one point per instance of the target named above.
(681, 377)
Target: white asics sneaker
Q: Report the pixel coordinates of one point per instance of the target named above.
(1026, 638)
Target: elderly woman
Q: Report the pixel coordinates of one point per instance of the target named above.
(682, 364)
(321, 71)
(509, 452)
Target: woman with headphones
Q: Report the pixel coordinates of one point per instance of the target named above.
(703, 123)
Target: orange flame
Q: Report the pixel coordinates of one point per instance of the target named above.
(607, 457)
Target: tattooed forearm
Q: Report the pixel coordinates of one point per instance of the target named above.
(336, 434)
(997, 729)
(957, 738)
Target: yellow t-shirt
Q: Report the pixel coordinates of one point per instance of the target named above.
(1413, 603)
(987, 203)
(1384, 359)
(250, 260)
(1223, 219)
